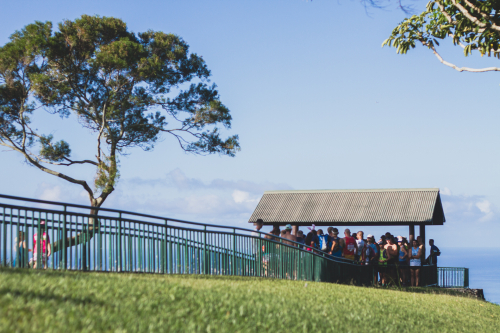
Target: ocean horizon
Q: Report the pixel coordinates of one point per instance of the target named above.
(483, 264)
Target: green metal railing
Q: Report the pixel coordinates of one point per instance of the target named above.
(118, 241)
(453, 277)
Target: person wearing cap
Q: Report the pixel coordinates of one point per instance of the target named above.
(370, 254)
(369, 251)
(288, 235)
(286, 256)
(45, 246)
(335, 242)
(382, 261)
(371, 243)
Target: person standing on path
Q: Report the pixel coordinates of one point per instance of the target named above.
(335, 247)
(382, 261)
(415, 263)
(256, 244)
(20, 249)
(46, 248)
(360, 244)
(403, 257)
(392, 255)
(288, 235)
(300, 238)
(350, 248)
(433, 260)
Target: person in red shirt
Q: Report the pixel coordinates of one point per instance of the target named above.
(350, 248)
(41, 243)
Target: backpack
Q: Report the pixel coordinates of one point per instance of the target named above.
(323, 240)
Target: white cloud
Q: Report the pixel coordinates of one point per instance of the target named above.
(484, 206)
(50, 192)
(242, 196)
(445, 191)
(468, 209)
(176, 195)
(178, 180)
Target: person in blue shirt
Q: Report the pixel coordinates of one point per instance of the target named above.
(433, 260)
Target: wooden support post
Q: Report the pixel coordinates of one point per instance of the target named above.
(295, 229)
(411, 234)
(422, 234)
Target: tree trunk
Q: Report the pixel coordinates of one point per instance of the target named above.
(81, 238)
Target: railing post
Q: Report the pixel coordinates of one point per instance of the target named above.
(84, 236)
(64, 240)
(204, 262)
(39, 247)
(186, 254)
(466, 278)
(233, 261)
(119, 249)
(165, 258)
(99, 244)
(4, 238)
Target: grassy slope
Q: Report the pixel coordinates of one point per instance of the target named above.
(57, 302)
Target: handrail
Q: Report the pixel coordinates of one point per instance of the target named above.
(297, 244)
(119, 211)
(453, 277)
(169, 246)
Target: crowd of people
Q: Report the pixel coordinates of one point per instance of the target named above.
(396, 258)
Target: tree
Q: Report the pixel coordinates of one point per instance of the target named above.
(471, 24)
(128, 89)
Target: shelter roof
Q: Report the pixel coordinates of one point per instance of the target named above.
(351, 207)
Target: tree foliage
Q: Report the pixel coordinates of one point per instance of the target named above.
(128, 89)
(471, 24)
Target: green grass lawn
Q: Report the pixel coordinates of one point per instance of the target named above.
(32, 301)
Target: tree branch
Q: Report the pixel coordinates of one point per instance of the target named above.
(485, 16)
(472, 18)
(445, 13)
(460, 69)
(49, 171)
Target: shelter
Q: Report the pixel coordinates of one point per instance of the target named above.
(377, 207)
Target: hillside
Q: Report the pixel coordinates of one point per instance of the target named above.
(55, 302)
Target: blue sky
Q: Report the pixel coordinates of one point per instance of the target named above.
(317, 102)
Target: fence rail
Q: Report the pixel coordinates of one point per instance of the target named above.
(89, 239)
(453, 277)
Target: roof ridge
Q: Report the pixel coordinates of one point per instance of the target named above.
(359, 190)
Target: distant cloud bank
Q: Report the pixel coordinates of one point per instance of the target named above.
(231, 202)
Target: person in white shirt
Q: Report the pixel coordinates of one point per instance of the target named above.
(360, 243)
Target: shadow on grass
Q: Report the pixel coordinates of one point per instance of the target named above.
(31, 271)
(30, 295)
(432, 291)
